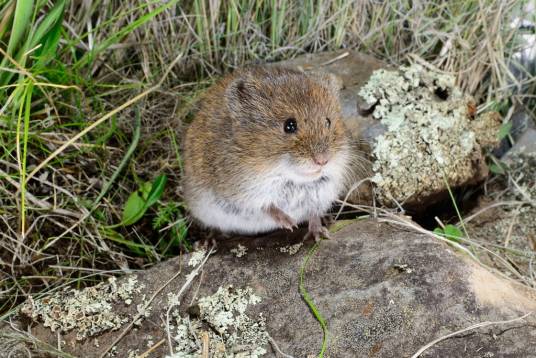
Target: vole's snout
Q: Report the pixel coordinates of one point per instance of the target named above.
(321, 158)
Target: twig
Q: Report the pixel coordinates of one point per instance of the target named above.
(511, 226)
(475, 326)
(340, 57)
(147, 352)
(205, 351)
(276, 347)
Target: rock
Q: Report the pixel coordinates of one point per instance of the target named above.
(383, 292)
(526, 143)
(422, 132)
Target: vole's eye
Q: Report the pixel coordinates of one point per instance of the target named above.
(328, 122)
(291, 126)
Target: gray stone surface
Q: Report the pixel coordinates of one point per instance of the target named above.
(383, 291)
(526, 143)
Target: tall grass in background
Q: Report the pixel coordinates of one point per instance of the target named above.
(65, 64)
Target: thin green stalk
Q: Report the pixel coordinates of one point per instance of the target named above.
(310, 302)
(454, 204)
(124, 161)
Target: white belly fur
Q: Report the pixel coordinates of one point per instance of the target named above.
(247, 215)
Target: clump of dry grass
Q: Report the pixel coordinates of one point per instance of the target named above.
(110, 52)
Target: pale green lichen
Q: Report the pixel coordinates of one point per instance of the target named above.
(239, 251)
(291, 249)
(196, 257)
(431, 133)
(88, 312)
(223, 317)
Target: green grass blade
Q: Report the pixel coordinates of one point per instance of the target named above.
(50, 44)
(124, 161)
(21, 24)
(6, 13)
(43, 30)
(311, 304)
(54, 16)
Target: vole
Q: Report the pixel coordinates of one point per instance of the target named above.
(267, 149)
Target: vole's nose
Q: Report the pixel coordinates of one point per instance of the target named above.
(321, 158)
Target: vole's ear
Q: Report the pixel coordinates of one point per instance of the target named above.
(240, 93)
(331, 81)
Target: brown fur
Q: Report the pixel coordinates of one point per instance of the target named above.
(238, 131)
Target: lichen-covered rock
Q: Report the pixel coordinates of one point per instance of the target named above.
(382, 291)
(433, 136)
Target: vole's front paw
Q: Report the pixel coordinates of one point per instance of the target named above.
(317, 230)
(282, 219)
(319, 234)
(204, 244)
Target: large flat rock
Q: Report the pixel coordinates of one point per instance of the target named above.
(383, 292)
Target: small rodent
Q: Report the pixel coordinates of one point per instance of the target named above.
(267, 149)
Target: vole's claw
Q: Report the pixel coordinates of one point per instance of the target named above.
(317, 230)
(282, 219)
(204, 244)
(319, 234)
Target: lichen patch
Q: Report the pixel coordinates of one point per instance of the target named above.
(291, 249)
(432, 134)
(88, 312)
(223, 323)
(196, 258)
(239, 250)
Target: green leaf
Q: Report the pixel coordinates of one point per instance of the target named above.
(453, 233)
(145, 189)
(497, 169)
(51, 38)
(450, 232)
(156, 190)
(137, 205)
(133, 210)
(505, 130)
(47, 23)
(439, 231)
